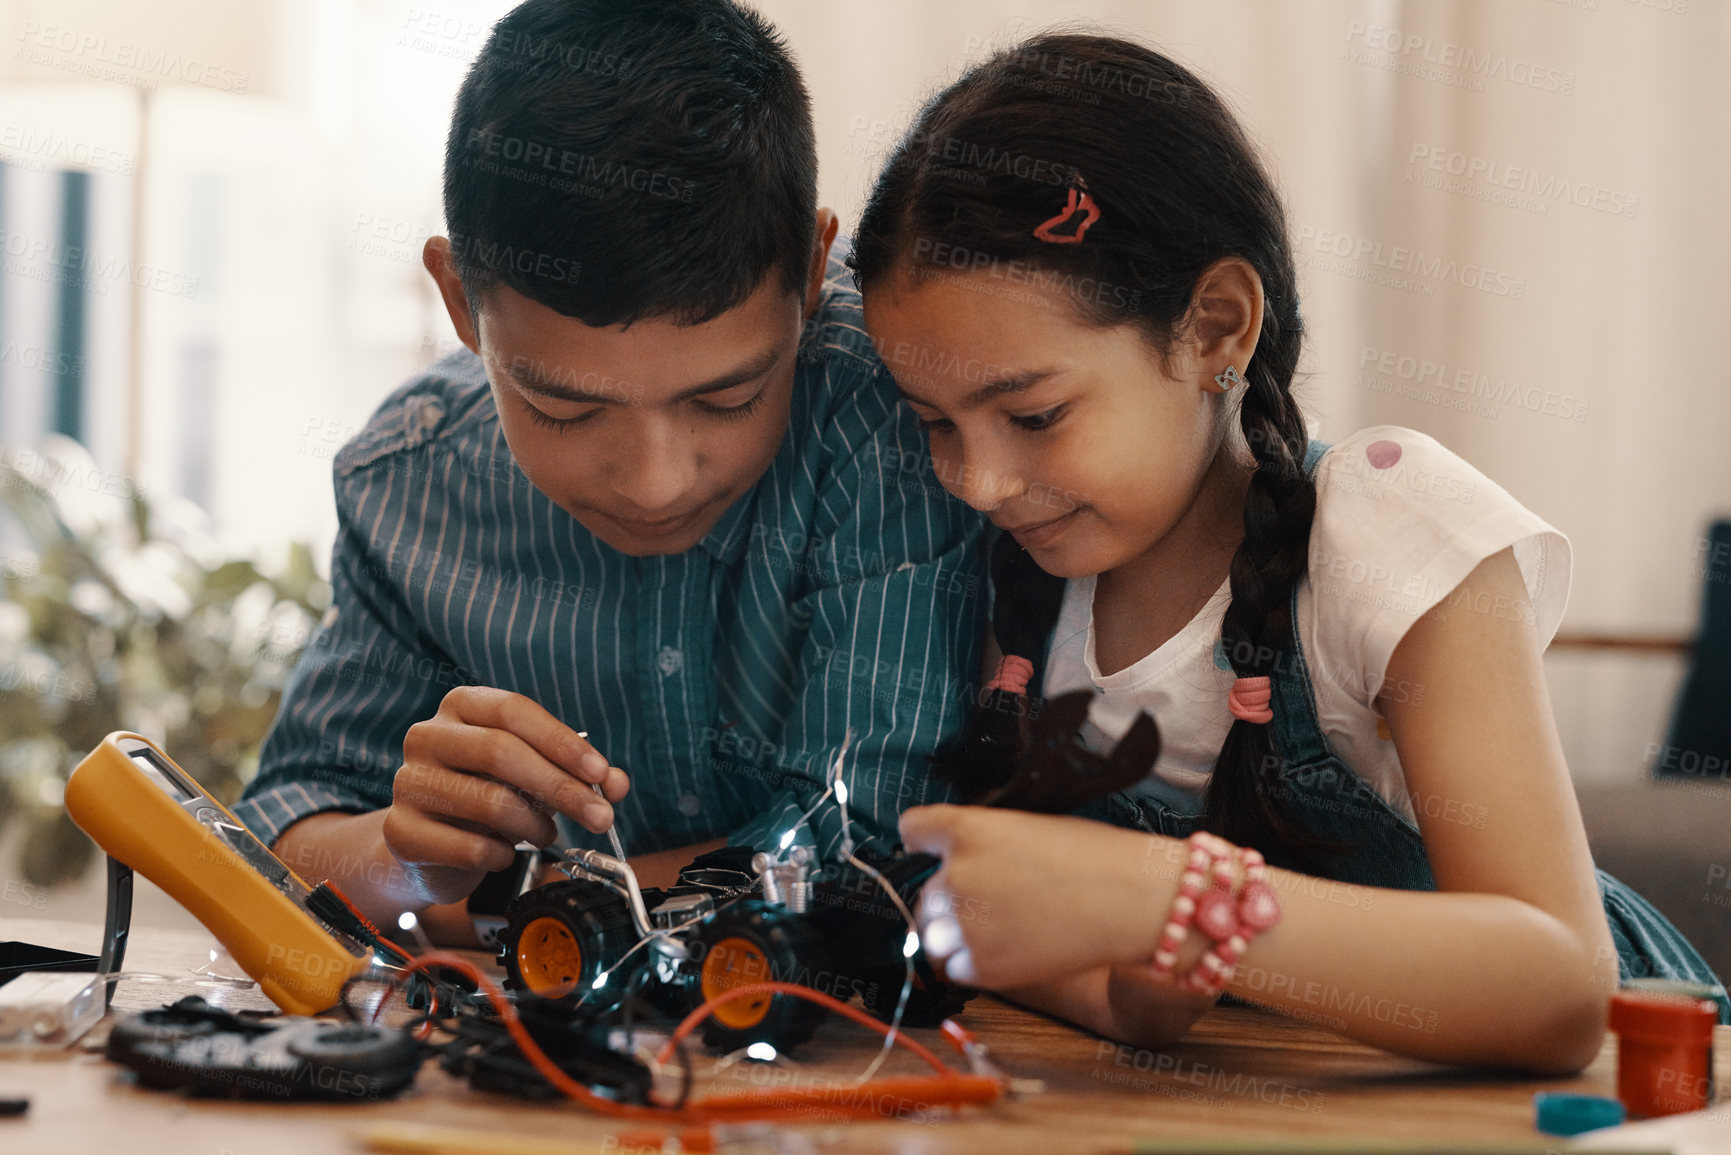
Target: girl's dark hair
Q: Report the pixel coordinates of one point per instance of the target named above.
(1179, 188)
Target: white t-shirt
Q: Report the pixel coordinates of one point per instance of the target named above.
(1400, 522)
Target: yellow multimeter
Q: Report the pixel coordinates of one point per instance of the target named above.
(149, 814)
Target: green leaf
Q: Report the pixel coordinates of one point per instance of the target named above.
(230, 579)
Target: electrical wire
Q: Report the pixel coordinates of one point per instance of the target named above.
(907, 964)
(829, 789)
(946, 1088)
(847, 847)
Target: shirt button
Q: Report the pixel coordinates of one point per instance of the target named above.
(670, 660)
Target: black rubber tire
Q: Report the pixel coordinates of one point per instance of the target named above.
(171, 1026)
(596, 920)
(355, 1060)
(791, 950)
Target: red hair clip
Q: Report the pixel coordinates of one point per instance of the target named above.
(1079, 201)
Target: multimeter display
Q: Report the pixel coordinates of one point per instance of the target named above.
(174, 782)
(160, 772)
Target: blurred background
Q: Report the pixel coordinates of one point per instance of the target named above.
(1510, 216)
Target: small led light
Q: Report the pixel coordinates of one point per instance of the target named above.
(762, 1052)
(406, 920)
(841, 791)
(911, 945)
(600, 981)
(787, 840)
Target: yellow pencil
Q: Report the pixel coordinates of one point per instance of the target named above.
(424, 1139)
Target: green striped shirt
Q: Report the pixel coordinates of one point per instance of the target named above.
(843, 592)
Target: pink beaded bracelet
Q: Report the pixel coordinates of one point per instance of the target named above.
(1231, 925)
(1190, 884)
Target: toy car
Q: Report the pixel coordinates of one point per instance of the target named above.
(737, 918)
(733, 919)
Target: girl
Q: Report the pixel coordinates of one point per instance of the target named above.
(1079, 274)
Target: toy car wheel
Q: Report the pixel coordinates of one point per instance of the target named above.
(138, 1040)
(559, 937)
(753, 942)
(355, 1060)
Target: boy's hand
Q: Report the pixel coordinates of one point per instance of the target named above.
(486, 772)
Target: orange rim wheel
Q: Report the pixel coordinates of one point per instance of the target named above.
(549, 958)
(733, 963)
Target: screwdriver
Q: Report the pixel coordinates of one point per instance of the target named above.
(613, 829)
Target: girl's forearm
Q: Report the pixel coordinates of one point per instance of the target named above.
(1077, 998)
(1123, 1003)
(1464, 978)
(1461, 978)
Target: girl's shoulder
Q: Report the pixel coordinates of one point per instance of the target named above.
(1384, 461)
(1400, 522)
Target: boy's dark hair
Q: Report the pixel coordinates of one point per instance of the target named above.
(1179, 187)
(619, 161)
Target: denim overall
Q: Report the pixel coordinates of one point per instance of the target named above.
(1383, 847)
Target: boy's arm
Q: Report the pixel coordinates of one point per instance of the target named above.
(893, 645)
(385, 772)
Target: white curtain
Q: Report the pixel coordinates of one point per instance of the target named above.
(1572, 157)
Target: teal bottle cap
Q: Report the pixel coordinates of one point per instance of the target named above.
(1561, 1114)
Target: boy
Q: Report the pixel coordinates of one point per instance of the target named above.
(665, 496)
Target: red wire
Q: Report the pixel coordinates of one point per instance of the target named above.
(949, 1088)
(958, 1035)
(380, 942)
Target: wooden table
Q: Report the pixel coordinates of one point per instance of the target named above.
(1240, 1072)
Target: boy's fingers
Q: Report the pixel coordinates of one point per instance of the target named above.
(503, 755)
(597, 815)
(492, 806)
(617, 785)
(522, 716)
(428, 842)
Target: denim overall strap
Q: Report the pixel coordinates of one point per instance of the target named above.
(1297, 729)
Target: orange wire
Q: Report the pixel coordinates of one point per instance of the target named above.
(690, 1022)
(950, 1088)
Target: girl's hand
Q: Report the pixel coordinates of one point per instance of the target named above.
(1058, 914)
(1026, 898)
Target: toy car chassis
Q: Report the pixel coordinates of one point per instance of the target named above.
(597, 939)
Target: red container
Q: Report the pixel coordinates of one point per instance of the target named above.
(1664, 1051)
